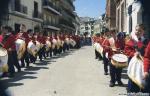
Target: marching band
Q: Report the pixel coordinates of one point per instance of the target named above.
(118, 51)
(23, 48)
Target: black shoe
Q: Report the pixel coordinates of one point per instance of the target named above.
(111, 84)
(120, 83)
(105, 73)
(19, 70)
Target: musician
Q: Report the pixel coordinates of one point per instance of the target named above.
(42, 40)
(9, 44)
(147, 68)
(105, 44)
(116, 47)
(50, 50)
(33, 39)
(135, 46)
(96, 40)
(24, 35)
(62, 37)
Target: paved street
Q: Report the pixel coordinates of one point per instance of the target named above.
(75, 73)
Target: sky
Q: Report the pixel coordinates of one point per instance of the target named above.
(90, 8)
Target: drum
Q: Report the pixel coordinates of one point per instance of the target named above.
(67, 41)
(58, 43)
(54, 41)
(48, 45)
(32, 48)
(3, 60)
(20, 47)
(62, 43)
(119, 60)
(38, 46)
(72, 42)
(136, 71)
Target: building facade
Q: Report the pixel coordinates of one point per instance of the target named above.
(87, 26)
(67, 19)
(24, 12)
(110, 16)
(97, 26)
(51, 16)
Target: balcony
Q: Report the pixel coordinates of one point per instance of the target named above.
(37, 16)
(50, 25)
(67, 23)
(20, 10)
(50, 6)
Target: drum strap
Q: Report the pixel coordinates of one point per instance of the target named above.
(6, 38)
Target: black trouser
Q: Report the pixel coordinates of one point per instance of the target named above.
(106, 63)
(60, 49)
(32, 58)
(96, 54)
(41, 53)
(25, 58)
(64, 47)
(68, 47)
(49, 52)
(55, 51)
(115, 74)
(147, 85)
(13, 61)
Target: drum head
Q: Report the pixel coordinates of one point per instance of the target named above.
(120, 58)
(3, 52)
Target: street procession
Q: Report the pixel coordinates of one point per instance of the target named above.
(74, 48)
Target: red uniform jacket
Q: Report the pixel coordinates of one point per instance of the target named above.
(26, 36)
(42, 39)
(130, 47)
(147, 59)
(10, 43)
(106, 45)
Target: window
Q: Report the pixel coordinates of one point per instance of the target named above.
(17, 5)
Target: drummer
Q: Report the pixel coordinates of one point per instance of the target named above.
(42, 40)
(24, 35)
(116, 47)
(105, 44)
(9, 44)
(134, 47)
(147, 68)
(33, 38)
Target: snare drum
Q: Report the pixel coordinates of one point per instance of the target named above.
(119, 60)
(3, 60)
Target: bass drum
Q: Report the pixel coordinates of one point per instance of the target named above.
(72, 42)
(67, 41)
(48, 45)
(136, 71)
(38, 46)
(32, 48)
(3, 60)
(20, 47)
(58, 43)
(54, 41)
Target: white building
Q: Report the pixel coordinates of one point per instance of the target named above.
(134, 15)
(98, 26)
(87, 26)
(24, 12)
